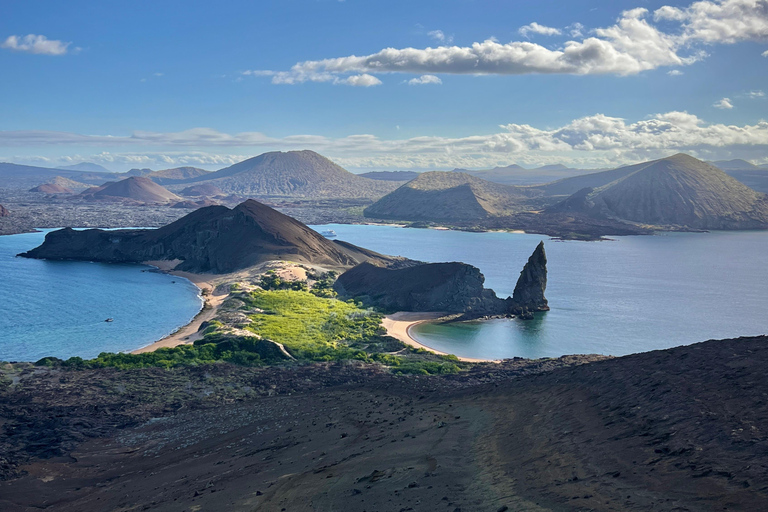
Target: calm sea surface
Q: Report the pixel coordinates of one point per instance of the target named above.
(618, 297)
(58, 308)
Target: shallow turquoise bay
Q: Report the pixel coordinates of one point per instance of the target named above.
(618, 297)
(52, 308)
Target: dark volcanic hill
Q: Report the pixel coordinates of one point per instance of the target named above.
(675, 191)
(212, 239)
(449, 196)
(136, 188)
(295, 174)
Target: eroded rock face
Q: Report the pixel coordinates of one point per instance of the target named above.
(532, 283)
(4, 211)
(449, 287)
(446, 287)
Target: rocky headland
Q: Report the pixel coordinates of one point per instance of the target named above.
(212, 239)
(446, 287)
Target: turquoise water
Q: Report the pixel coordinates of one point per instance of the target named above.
(52, 308)
(618, 297)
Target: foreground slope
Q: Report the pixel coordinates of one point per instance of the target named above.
(449, 196)
(676, 191)
(211, 239)
(677, 429)
(297, 174)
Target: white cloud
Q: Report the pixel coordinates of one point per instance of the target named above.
(425, 80)
(723, 21)
(724, 104)
(632, 45)
(440, 36)
(364, 80)
(755, 94)
(37, 44)
(674, 72)
(765, 53)
(535, 28)
(592, 141)
(575, 29)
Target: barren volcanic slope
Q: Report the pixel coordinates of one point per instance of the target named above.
(671, 430)
(449, 196)
(295, 174)
(51, 188)
(679, 191)
(212, 239)
(135, 188)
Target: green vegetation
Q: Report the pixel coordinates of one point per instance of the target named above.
(309, 328)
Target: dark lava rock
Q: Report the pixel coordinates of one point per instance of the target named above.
(211, 239)
(449, 287)
(530, 287)
(452, 287)
(4, 211)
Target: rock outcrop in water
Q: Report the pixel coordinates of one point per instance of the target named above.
(211, 239)
(452, 287)
(530, 287)
(447, 287)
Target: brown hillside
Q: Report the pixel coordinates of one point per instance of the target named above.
(294, 174)
(136, 188)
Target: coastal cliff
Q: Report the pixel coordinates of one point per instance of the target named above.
(447, 287)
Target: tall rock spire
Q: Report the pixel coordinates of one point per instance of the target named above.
(529, 291)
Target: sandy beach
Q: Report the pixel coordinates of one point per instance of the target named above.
(398, 326)
(189, 333)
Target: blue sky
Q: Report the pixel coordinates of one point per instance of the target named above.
(592, 84)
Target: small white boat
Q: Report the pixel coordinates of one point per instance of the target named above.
(328, 233)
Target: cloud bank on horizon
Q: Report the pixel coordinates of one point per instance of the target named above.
(592, 141)
(632, 45)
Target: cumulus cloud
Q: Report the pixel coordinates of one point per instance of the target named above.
(364, 80)
(631, 45)
(440, 36)
(724, 104)
(592, 141)
(765, 53)
(723, 21)
(755, 94)
(37, 44)
(535, 28)
(425, 80)
(674, 72)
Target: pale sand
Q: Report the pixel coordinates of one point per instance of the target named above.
(398, 326)
(189, 333)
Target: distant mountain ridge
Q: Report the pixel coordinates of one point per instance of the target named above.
(85, 167)
(674, 191)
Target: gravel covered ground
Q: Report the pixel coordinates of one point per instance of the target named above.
(678, 429)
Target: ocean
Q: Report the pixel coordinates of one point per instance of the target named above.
(59, 308)
(628, 295)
